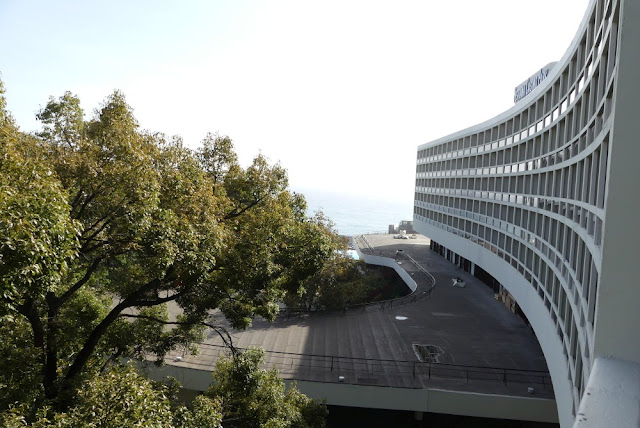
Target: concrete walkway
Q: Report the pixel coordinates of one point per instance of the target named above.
(374, 346)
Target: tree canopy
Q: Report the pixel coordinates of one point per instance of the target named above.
(243, 395)
(103, 224)
(253, 397)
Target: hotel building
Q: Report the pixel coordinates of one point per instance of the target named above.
(545, 199)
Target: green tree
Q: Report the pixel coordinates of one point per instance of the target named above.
(341, 282)
(38, 238)
(63, 120)
(112, 224)
(254, 397)
(121, 397)
(243, 395)
(217, 157)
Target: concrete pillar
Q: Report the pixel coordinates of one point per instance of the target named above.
(616, 315)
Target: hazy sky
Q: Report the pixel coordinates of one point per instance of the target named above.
(340, 92)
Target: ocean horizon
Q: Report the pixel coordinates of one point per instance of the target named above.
(354, 214)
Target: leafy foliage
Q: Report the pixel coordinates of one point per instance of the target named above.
(38, 236)
(120, 397)
(342, 282)
(254, 397)
(243, 395)
(117, 242)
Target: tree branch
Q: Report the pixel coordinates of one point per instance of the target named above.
(106, 220)
(100, 244)
(221, 331)
(28, 309)
(113, 357)
(235, 213)
(160, 300)
(76, 200)
(50, 369)
(113, 243)
(92, 341)
(90, 198)
(132, 300)
(75, 287)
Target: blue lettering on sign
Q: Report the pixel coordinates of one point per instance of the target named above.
(528, 86)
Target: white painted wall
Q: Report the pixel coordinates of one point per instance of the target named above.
(388, 262)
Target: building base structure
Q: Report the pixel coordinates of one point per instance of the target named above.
(544, 198)
(431, 400)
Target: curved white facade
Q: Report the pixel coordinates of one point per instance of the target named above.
(545, 197)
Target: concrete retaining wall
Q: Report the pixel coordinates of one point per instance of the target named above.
(375, 397)
(388, 262)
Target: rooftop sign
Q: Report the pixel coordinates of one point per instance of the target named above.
(525, 88)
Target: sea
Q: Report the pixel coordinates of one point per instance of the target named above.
(354, 214)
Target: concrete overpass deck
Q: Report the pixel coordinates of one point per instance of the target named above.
(373, 346)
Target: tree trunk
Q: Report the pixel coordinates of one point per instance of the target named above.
(50, 369)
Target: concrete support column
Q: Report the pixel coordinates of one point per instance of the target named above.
(616, 314)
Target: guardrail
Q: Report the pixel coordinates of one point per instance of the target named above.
(421, 269)
(425, 286)
(360, 370)
(367, 244)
